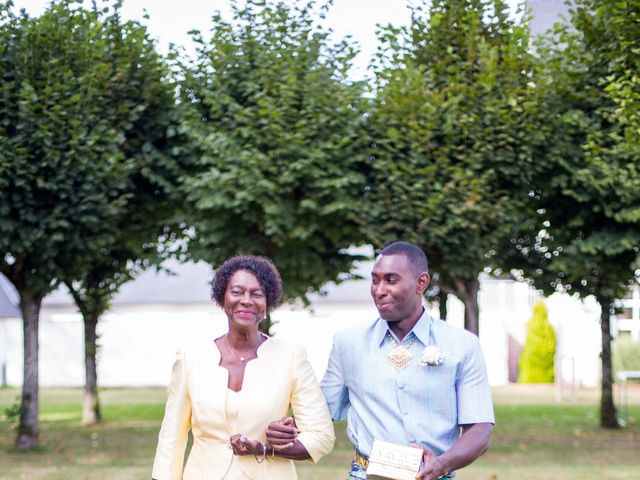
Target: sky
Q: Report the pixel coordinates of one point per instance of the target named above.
(170, 20)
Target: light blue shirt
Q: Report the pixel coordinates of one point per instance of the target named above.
(420, 404)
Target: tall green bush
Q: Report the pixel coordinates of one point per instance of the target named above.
(536, 360)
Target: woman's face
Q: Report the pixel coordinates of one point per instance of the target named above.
(245, 301)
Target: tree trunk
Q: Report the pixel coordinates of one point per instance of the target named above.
(29, 426)
(467, 290)
(442, 304)
(608, 414)
(91, 407)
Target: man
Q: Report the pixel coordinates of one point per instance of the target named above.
(406, 378)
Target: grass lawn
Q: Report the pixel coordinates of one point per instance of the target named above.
(535, 438)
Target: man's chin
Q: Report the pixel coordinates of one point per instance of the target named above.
(388, 318)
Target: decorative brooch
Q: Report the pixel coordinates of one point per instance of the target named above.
(431, 356)
(400, 356)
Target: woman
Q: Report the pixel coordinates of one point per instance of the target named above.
(227, 391)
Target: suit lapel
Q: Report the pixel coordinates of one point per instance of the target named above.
(258, 393)
(210, 384)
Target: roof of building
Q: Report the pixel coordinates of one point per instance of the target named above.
(191, 283)
(9, 300)
(184, 283)
(175, 283)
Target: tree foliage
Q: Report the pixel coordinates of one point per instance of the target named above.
(536, 363)
(146, 125)
(588, 192)
(278, 132)
(619, 21)
(455, 132)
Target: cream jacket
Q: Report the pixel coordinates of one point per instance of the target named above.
(279, 379)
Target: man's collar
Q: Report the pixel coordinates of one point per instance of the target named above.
(420, 329)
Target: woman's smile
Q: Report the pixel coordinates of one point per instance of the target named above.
(244, 298)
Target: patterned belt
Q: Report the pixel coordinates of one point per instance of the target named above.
(361, 460)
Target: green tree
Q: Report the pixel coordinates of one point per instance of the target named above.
(536, 363)
(67, 117)
(143, 115)
(588, 192)
(619, 21)
(278, 132)
(455, 127)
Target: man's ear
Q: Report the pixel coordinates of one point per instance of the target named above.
(422, 282)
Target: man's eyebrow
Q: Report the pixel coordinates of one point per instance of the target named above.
(385, 274)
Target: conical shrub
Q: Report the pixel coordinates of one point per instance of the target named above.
(536, 360)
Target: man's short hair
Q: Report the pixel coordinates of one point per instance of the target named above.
(416, 256)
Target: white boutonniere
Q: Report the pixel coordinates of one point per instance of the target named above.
(432, 356)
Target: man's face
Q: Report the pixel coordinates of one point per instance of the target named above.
(396, 289)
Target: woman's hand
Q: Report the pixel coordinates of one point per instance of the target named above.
(282, 433)
(242, 445)
(282, 436)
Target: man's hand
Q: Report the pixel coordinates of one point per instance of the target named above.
(242, 445)
(282, 433)
(432, 467)
(473, 442)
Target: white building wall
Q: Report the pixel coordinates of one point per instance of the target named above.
(11, 361)
(505, 307)
(136, 346)
(315, 329)
(632, 324)
(138, 343)
(579, 342)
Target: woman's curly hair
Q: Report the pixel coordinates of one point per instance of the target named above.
(263, 269)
